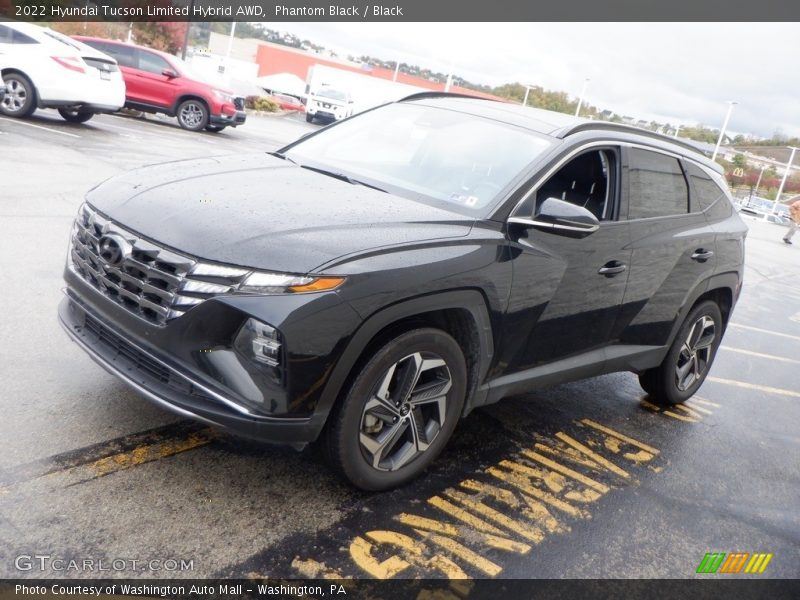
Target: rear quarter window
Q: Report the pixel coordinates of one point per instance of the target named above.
(707, 196)
(124, 55)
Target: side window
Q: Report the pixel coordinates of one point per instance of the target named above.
(588, 180)
(657, 186)
(704, 191)
(124, 55)
(152, 63)
(12, 36)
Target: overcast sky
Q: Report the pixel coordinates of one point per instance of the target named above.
(675, 72)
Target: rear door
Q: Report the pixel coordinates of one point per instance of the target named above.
(673, 246)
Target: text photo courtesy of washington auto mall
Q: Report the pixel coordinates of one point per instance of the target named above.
(438, 301)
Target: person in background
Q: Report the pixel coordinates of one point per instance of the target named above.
(794, 212)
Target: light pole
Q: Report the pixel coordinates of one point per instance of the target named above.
(758, 183)
(783, 181)
(580, 98)
(677, 129)
(731, 104)
(186, 33)
(527, 91)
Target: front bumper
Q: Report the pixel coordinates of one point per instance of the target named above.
(223, 120)
(171, 388)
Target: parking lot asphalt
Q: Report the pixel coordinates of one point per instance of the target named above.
(580, 480)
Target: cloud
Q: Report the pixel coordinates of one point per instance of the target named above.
(676, 72)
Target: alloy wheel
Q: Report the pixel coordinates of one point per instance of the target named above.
(192, 114)
(16, 96)
(695, 354)
(405, 412)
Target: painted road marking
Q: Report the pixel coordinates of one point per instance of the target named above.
(507, 509)
(779, 334)
(17, 122)
(704, 402)
(754, 386)
(115, 454)
(669, 413)
(760, 355)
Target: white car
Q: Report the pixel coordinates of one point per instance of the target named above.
(42, 68)
(329, 104)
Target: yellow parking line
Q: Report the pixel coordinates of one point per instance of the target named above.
(760, 355)
(604, 462)
(754, 386)
(779, 334)
(693, 406)
(689, 411)
(704, 401)
(620, 436)
(591, 483)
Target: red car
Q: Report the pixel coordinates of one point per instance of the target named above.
(157, 82)
(287, 102)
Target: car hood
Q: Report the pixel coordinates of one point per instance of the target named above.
(264, 212)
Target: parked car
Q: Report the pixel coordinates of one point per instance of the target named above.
(160, 83)
(287, 102)
(329, 104)
(45, 69)
(371, 283)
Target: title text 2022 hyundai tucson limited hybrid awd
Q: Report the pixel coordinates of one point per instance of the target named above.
(372, 283)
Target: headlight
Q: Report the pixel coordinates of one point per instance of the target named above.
(280, 283)
(224, 96)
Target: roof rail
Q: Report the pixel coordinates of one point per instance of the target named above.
(423, 95)
(594, 125)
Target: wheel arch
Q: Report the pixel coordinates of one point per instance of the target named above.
(463, 314)
(189, 96)
(722, 288)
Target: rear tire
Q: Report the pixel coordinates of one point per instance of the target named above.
(19, 100)
(309, 118)
(192, 115)
(75, 115)
(688, 360)
(399, 411)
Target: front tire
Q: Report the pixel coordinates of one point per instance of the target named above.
(688, 360)
(75, 115)
(192, 115)
(309, 118)
(20, 98)
(214, 128)
(399, 411)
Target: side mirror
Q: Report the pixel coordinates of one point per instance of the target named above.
(560, 217)
(169, 73)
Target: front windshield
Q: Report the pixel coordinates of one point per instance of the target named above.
(332, 94)
(431, 153)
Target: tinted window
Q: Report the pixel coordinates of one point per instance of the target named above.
(657, 185)
(124, 55)
(704, 191)
(152, 63)
(12, 36)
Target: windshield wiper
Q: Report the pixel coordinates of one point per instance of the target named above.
(334, 174)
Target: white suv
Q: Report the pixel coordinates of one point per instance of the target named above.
(42, 68)
(329, 104)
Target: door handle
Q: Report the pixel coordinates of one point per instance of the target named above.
(702, 255)
(612, 268)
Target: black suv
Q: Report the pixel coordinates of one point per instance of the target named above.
(373, 282)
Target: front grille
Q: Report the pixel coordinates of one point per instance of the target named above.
(150, 281)
(238, 102)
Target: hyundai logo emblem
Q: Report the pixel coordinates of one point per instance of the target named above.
(113, 249)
